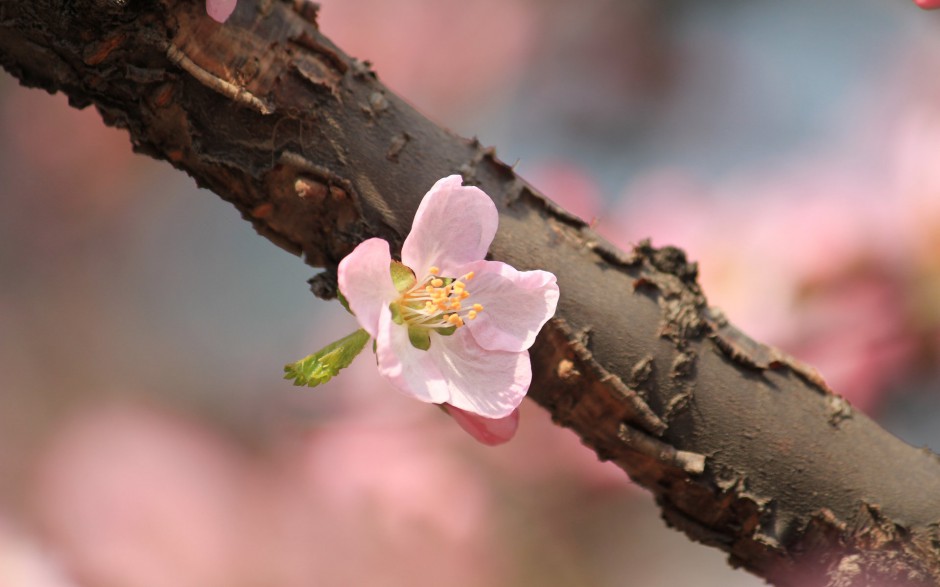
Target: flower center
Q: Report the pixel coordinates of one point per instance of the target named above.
(438, 303)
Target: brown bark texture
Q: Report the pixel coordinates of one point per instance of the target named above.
(743, 447)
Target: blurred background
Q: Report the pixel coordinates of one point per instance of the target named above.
(146, 436)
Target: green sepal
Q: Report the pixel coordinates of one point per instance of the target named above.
(342, 299)
(395, 309)
(402, 276)
(447, 331)
(419, 337)
(323, 365)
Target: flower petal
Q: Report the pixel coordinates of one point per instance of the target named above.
(488, 383)
(454, 225)
(365, 278)
(516, 304)
(220, 10)
(488, 431)
(412, 371)
(454, 370)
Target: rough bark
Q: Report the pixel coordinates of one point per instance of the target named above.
(744, 448)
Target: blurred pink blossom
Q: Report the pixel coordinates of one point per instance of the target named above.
(807, 258)
(568, 185)
(138, 498)
(23, 563)
(220, 10)
(132, 496)
(404, 504)
(445, 64)
(72, 171)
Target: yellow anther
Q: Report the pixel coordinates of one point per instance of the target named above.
(438, 303)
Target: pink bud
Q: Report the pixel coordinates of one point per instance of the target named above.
(488, 431)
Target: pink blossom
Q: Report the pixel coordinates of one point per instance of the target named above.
(928, 4)
(450, 327)
(220, 10)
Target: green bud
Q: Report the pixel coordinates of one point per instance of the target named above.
(322, 366)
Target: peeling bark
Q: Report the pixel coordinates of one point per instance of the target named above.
(745, 448)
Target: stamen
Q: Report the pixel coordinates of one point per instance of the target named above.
(436, 304)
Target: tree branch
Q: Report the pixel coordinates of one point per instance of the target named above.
(744, 447)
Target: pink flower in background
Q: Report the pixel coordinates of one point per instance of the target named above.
(450, 327)
(821, 275)
(928, 4)
(449, 82)
(569, 185)
(124, 494)
(220, 10)
(24, 562)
